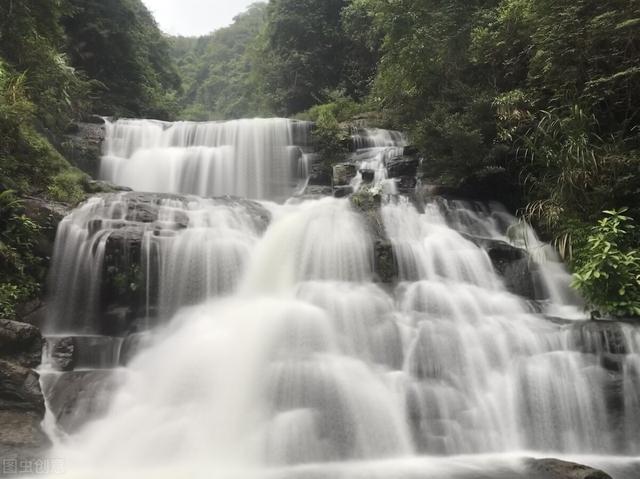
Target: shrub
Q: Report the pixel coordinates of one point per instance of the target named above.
(67, 186)
(17, 262)
(608, 267)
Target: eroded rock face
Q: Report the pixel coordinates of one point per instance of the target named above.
(47, 215)
(557, 469)
(343, 173)
(514, 265)
(20, 343)
(402, 166)
(21, 411)
(83, 146)
(77, 397)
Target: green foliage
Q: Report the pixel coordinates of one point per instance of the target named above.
(608, 269)
(17, 260)
(217, 69)
(119, 45)
(29, 161)
(68, 186)
(310, 48)
(340, 108)
(31, 41)
(329, 138)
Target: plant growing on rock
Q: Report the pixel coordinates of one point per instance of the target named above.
(608, 268)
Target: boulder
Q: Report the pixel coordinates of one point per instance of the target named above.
(343, 173)
(402, 166)
(19, 389)
(21, 411)
(367, 175)
(385, 266)
(85, 352)
(406, 184)
(557, 469)
(20, 343)
(76, 397)
(62, 353)
(513, 264)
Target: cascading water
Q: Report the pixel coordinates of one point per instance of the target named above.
(258, 158)
(269, 343)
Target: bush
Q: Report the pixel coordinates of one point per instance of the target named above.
(67, 186)
(17, 262)
(607, 269)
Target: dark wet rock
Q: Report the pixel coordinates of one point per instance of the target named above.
(411, 150)
(402, 166)
(343, 173)
(597, 337)
(514, 265)
(613, 363)
(492, 184)
(319, 171)
(557, 469)
(77, 397)
(62, 353)
(20, 343)
(406, 184)
(47, 215)
(83, 146)
(21, 411)
(19, 389)
(367, 175)
(342, 191)
(385, 264)
(487, 185)
(84, 352)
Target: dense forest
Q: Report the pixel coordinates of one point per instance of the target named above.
(533, 103)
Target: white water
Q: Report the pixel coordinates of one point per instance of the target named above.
(292, 362)
(248, 158)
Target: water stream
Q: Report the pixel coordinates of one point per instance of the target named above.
(264, 343)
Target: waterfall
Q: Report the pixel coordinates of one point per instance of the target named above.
(256, 158)
(260, 339)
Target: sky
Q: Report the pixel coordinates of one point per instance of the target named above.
(195, 17)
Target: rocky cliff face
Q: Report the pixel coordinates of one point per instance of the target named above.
(22, 405)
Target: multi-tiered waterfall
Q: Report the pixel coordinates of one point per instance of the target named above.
(315, 337)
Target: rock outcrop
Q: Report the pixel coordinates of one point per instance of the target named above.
(557, 469)
(518, 271)
(20, 343)
(83, 145)
(22, 406)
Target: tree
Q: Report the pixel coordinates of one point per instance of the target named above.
(118, 43)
